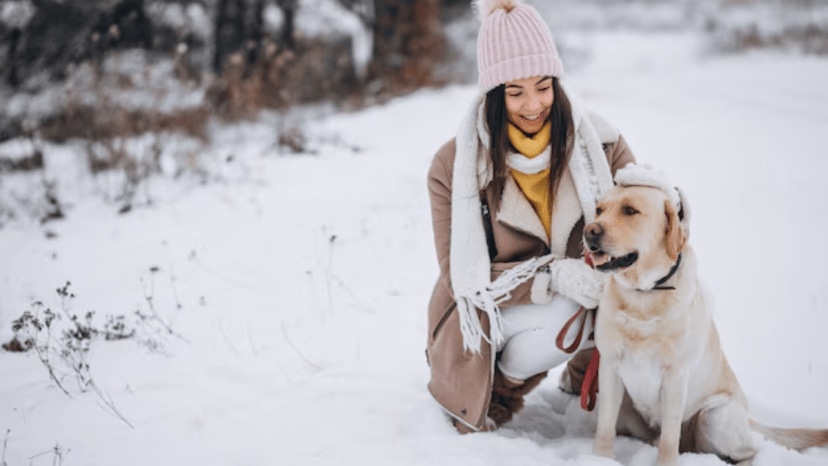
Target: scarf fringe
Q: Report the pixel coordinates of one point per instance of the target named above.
(487, 301)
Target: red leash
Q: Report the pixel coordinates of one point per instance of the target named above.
(589, 387)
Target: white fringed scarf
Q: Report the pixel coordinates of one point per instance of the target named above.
(470, 265)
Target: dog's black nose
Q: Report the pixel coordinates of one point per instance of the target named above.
(592, 236)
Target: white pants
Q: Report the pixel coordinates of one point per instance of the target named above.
(530, 331)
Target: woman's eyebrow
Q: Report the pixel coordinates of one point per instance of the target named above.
(517, 86)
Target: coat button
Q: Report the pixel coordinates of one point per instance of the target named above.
(463, 411)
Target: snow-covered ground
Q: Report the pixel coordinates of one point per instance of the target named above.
(295, 289)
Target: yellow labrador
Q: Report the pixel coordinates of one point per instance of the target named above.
(657, 339)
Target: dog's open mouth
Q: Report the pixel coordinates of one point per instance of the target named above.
(605, 263)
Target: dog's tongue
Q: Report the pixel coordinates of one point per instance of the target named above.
(594, 259)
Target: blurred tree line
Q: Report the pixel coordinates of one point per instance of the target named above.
(247, 62)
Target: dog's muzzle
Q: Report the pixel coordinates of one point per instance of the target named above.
(603, 261)
(592, 236)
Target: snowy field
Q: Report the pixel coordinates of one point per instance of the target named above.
(287, 302)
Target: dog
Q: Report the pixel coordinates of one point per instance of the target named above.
(657, 340)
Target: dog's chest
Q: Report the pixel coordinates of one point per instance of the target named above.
(642, 375)
(645, 347)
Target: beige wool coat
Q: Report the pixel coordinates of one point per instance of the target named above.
(461, 381)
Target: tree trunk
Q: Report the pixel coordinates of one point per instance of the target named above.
(11, 63)
(228, 32)
(238, 28)
(408, 40)
(289, 12)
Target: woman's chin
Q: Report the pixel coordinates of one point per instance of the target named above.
(530, 127)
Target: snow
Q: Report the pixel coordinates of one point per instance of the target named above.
(16, 14)
(327, 18)
(296, 286)
(132, 81)
(191, 17)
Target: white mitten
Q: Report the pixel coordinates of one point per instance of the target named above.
(577, 281)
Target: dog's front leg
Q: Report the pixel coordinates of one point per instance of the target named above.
(673, 398)
(610, 395)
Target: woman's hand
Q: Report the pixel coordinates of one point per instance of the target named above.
(577, 281)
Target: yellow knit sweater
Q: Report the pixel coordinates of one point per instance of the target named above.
(534, 186)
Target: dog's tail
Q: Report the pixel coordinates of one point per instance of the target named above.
(797, 439)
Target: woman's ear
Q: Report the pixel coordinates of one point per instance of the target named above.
(674, 237)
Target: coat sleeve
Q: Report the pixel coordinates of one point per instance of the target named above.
(619, 154)
(439, 190)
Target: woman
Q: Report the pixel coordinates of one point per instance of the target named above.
(509, 198)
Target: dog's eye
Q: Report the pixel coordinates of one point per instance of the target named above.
(598, 211)
(629, 211)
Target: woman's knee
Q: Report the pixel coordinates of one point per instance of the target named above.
(530, 352)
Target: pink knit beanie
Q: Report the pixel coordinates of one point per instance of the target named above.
(514, 43)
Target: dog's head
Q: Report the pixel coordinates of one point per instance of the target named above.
(636, 235)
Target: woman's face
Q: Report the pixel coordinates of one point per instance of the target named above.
(528, 102)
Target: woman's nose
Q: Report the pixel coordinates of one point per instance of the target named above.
(534, 103)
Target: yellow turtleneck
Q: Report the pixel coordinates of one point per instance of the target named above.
(534, 186)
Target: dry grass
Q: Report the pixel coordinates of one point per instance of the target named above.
(100, 123)
(123, 108)
(280, 78)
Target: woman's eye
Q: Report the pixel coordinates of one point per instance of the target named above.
(630, 211)
(544, 89)
(514, 95)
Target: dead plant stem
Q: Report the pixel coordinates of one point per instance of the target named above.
(5, 444)
(301, 355)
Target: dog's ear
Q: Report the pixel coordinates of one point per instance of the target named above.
(684, 212)
(674, 237)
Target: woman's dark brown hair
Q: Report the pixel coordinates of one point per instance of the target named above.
(563, 131)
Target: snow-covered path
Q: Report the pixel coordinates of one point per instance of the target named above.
(303, 281)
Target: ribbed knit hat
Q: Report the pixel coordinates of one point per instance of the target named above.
(514, 42)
